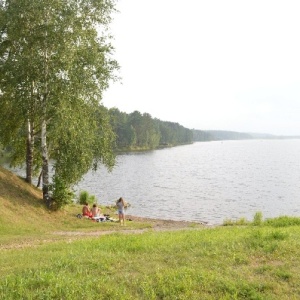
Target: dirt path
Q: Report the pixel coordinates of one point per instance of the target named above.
(160, 224)
(70, 236)
(155, 224)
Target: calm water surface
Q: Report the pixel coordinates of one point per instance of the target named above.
(210, 181)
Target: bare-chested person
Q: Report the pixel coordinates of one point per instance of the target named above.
(96, 212)
(86, 212)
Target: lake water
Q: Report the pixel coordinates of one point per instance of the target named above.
(208, 181)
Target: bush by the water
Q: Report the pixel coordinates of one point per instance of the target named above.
(85, 197)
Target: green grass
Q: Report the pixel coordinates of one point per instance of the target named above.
(219, 263)
(248, 260)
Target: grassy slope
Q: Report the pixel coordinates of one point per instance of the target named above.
(22, 208)
(21, 204)
(24, 216)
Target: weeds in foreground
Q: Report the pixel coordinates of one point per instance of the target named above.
(257, 219)
(282, 221)
(241, 222)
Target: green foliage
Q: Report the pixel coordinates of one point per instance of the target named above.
(141, 131)
(257, 219)
(54, 67)
(86, 141)
(85, 197)
(61, 194)
(283, 221)
(241, 221)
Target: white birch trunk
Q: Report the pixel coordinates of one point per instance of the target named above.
(45, 167)
(29, 151)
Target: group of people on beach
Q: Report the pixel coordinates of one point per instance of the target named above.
(95, 211)
(91, 213)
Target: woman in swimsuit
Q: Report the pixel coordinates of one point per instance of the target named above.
(121, 207)
(86, 211)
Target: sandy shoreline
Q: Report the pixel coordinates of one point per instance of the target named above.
(161, 223)
(156, 225)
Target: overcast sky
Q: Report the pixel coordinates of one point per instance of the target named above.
(210, 64)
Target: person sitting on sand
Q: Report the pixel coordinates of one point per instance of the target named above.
(86, 212)
(96, 212)
(121, 210)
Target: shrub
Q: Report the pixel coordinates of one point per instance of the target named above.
(229, 222)
(258, 219)
(242, 221)
(85, 197)
(283, 221)
(61, 194)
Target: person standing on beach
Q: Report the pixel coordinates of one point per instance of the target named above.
(121, 210)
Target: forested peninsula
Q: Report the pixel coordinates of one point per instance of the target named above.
(140, 131)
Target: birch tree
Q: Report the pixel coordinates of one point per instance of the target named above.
(54, 67)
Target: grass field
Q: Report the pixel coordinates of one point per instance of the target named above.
(256, 259)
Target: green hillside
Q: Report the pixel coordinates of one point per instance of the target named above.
(21, 205)
(24, 216)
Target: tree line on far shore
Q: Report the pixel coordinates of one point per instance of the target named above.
(139, 131)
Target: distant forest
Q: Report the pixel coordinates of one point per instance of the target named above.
(137, 131)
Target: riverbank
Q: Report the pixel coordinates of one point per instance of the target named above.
(165, 224)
